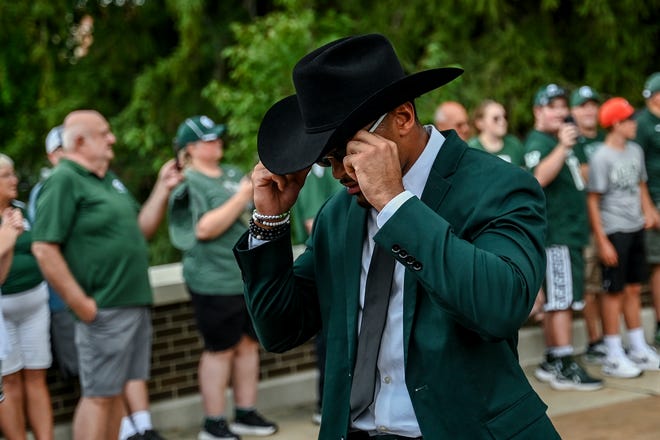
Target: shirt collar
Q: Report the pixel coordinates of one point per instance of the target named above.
(416, 177)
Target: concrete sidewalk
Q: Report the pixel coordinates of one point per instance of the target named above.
(624, 408)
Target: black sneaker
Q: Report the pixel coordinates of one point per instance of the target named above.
(548, 369)
(253, 423)
(573, 377)
(152, 434)
(216, 430)
(596, 353)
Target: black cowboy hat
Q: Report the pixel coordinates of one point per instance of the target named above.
(341, 87)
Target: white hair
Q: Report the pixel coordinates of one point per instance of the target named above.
(5, 161)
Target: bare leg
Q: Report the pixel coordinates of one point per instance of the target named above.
(632, 306)
(136, 396)
(98, 418)
(611, 304)
(655, 290)
(245, 372)
(12, 417)
(558, 328)
(38, 405)
(214, 372)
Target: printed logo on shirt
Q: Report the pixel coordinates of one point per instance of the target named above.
(532, 159)
(116, 184)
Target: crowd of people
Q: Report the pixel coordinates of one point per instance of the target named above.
(570, 223)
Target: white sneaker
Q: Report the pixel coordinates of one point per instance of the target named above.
(620, 366)
(645, 359)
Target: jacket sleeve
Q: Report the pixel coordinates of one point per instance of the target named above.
(484, 265)
(284, 307)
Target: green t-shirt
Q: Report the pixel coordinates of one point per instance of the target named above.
(209, 267)
(648, 137)
(586, 146)
(24, 273)
(565, 196)
(512, 151)
(95, 222)
(318, 188)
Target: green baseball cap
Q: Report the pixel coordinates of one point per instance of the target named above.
(547, 93)
(652, 85)
(197, 128)
(584, 94)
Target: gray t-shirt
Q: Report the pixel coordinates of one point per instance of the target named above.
(616, 175)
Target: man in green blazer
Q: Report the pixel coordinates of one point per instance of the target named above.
(466, 230)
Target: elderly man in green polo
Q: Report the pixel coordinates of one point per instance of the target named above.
(89, 240)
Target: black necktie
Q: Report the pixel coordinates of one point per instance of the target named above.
(376, 300)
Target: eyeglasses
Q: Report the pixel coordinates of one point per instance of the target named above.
(339, 154)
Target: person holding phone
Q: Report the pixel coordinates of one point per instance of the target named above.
(550, 157)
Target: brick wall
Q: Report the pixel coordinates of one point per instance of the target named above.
(176, 350)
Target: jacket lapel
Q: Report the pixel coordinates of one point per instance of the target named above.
(356, 224)
(435, 190)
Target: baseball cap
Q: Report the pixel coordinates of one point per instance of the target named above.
(584, 94)
(652, 85)
(197, 128)
(547, 93)
(54, 139)
(614, 110)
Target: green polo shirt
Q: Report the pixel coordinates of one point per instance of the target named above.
(512, 151)
(24, 273)
(587, 146)
(209, 266)
(95, 222)
(565, 196)
(648, 137)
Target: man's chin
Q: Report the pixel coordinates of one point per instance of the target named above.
(362, 200)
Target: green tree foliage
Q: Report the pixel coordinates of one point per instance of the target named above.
(152, 63)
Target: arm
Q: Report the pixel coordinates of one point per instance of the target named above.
(548, 169)
(606, 251)
(57, 273)
(216, 221)
(10, 229)
(153, 210)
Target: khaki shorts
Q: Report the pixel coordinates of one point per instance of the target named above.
(593, 274)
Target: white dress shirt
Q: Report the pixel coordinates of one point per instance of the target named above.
(392, 410)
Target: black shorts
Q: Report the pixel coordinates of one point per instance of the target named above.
(632, 268)
(221, 320)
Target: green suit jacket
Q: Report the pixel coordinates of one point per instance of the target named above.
(473, 249)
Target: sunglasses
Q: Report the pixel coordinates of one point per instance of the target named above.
(339, 154)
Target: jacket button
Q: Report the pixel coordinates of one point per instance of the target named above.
(410, 260)
(403, 253)
(417, 266)
(396, 248)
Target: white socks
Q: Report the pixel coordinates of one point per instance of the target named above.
(636, 339)
(138, 422)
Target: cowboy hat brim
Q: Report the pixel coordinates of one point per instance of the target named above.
(285, 146)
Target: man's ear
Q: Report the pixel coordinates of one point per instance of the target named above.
(404, 117)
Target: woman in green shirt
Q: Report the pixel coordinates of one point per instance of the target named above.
(205, 222)
(490, 121)
(27, 317)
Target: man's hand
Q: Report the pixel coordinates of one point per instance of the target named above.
(568, 134)
(373, 162)
(273, 193)
(608, 254)
(85, 309)
(169, 175)
(13, 218)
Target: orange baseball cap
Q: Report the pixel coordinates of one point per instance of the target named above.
(614, 110)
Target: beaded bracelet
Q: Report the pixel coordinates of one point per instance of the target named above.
(257, 216)
(268, 234)
(274, 224)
